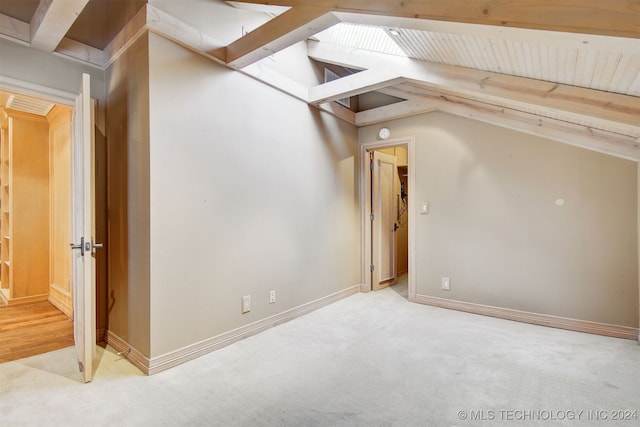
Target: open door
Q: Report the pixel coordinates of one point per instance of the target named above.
(83, 223)
(383, 215)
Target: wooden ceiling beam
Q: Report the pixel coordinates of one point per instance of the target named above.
(14, 29)
(618, 18)
(580, 135)
(51, 21)
(521, 93)
(354, 84)
(284, 30)
(398, 110)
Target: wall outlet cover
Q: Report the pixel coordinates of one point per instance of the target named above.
(246, 304)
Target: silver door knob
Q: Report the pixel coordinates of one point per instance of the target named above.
(96, 245)
(80, 246)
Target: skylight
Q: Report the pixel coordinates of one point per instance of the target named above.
(359, 36)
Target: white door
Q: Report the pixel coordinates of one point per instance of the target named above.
(84, 277)
(383, 224)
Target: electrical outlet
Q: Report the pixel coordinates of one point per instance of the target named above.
(272, 297)
(446, 284)
(246, 304)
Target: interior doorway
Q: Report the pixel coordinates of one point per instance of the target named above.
(35, 224)
(387, 219)
(36, 189)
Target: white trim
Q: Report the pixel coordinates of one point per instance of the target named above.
(365, 147)
(33, 89)
(132, 354)
(586, 326)
(193, 351)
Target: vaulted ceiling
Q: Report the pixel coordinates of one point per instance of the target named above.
(563, 69)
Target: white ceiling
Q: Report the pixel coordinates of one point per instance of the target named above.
(580, 87)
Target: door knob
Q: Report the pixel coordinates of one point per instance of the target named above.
(80, 246)
(96, 245)
(86, 246)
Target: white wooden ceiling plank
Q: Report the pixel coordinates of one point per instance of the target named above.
(428, 46)
(570, 59)
(605, 69)
(51, 21)
(515, 50)
(543, 62)
(439, 48)
(479, 49)
(528, 55)
(581, 58)
(414, 44)
(492, 60)
(628, 68)
(469, 57)
(634, 88)
(500, 65)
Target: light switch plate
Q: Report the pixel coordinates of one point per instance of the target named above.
(424, 208)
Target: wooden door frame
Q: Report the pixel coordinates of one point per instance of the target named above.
(365, 202)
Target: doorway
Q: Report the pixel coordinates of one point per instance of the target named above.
(37, 170)
(386, 189)
(35, 224)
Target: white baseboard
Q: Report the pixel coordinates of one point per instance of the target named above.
(134, 356)
(193, 351)
(625, 332)
(177, 357)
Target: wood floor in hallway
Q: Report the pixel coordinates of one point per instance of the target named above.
(30, 329)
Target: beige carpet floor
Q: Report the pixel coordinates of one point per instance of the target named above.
(369, 360)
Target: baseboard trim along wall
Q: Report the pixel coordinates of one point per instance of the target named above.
(193, 351)
(625, 332)
(134, 356)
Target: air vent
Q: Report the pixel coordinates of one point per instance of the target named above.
(29, 105)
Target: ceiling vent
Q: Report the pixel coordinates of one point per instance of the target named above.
(29, 105)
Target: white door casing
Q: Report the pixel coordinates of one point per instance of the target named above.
(365, 203)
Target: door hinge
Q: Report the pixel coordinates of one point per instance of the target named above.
(371, 268)
(371, 217)
(371, 167)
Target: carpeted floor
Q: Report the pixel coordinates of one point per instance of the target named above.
(369, 360)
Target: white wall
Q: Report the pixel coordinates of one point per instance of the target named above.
(251, 190)
(45, 69)
(495, 229)
(128, 241)
(226, 24)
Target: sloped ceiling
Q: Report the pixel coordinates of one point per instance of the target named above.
(566, 70)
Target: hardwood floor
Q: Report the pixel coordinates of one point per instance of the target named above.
(30, 329)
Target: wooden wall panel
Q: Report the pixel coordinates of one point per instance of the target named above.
(60, 131)
(30, 205)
